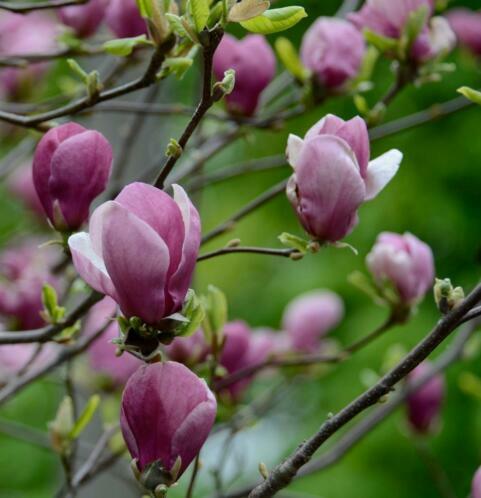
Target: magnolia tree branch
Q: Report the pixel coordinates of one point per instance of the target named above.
(148, 78)
(66, 354)
(284, 253)
(207, 100)
(381, 413)
(247, 209)
(45, 334)
(283, 474)
(24, 7)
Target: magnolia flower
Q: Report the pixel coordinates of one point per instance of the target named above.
(24, 269)
(254, 63)
(71, 167)
(124, 19)
(404, 261)
(332, 49)
(166, 415)
(83, 19)
(188, 350)
(424, 405)
(141, 250)
(25, 34)
(333, 176)
(476, 484)
(389, 19)
(309, 317)
(467, 26)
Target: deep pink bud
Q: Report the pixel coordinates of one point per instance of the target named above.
(406, 262)
(71, 167)
(188, 350)
(309, 317)
(24, 269)
(476, 484)
(333, 176)
(425, 404)
(389, 18)
(167, 413)
(333, 50)
(142, 220)
(124, 19)
(242, 349)
(467, 26)
(20, 183)
(84, 19)
(33, 33)
(101, 353)
(254, 63)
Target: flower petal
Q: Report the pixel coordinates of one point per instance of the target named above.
(89, 264)
(381, 171)
(137, 260)
(294, 147)
(180, 281)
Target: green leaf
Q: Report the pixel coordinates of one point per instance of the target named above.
(382, 43)
(194, 312)
(247, 9)
(289, 57)
(176, 25)
(200, 13)
(470, 94)
(177, 65)
(52, 312)
(77, 69)
(215, 305)
(364, 284)
(85, 416)
(412, 29)
(275, 20)
(294, 242)
(124, 46)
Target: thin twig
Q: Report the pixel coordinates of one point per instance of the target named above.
(283, 474)
(206, 102)
(45, 334)
(266, 251)
(248, 208)
(24, 7)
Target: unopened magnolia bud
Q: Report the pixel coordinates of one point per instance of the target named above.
(71, 167)
(446, 296)
(173, 149)
(263, 471)
(467, 26)
(165, 431)
(332, 49)
(84, 19)
(254, 63)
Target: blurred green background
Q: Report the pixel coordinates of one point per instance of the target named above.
(436, 196)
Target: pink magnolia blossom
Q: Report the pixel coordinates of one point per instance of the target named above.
(25, 269)
(254, 63)
(389, 18)
(167, 413)
(124, 19)
(188, 350)
(424, 405)
(333, 176)
(476, 484)
(84, 19)
(309, 317)
(333, 50)
(467, 26)
(71, 167)
(101, 354)
(406, 262)
(33, 33)
(141, 250)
